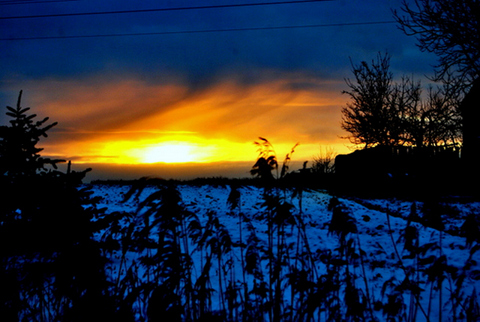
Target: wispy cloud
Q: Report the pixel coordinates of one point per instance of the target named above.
(95, 115)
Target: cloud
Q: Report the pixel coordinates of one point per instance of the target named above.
(94, 104)
(98, 113)
(239, 111)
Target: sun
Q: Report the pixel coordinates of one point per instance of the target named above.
(169, 153)
(174, 152)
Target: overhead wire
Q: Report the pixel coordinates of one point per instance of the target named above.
(175, 9)
(7, 3)
(201, 31)
(237, 5)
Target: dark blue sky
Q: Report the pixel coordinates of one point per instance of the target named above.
(199, 57)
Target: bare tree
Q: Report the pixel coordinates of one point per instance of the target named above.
(376, 114)
(387, 113)
(451, 30)
(324, 161)
(448, 28)
(441, 117)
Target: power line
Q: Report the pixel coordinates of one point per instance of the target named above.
(201, 31)
(160, 9)
(7, 3)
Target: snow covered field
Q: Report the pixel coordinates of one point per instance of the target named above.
(327, 258)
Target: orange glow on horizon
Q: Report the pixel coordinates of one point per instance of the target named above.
(132, 122)
(194, 151)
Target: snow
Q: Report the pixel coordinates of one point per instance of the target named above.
(380, 224)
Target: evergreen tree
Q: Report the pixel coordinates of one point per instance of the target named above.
(51, 268)
(18, 152)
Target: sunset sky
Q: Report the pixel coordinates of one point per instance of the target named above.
(192, 83)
